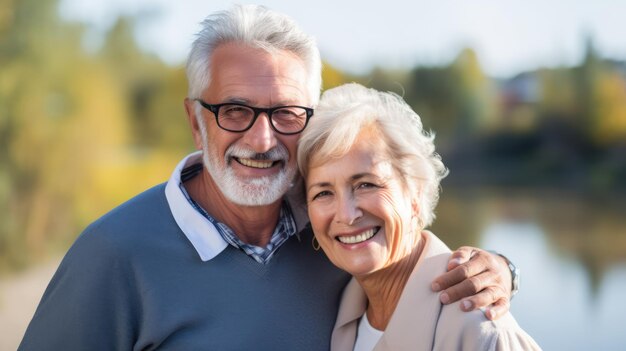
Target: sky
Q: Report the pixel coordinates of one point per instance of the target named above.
(356, 35)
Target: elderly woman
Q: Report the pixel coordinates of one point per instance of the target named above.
(372, 182)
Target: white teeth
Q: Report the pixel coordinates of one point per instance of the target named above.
(256, 163)
(357, 238)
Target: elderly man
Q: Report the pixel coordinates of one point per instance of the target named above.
(218, 258)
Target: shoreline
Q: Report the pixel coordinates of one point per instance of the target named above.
(19, 296)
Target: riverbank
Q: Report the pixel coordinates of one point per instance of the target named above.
(19, 296)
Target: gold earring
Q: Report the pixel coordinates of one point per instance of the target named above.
(316, 244)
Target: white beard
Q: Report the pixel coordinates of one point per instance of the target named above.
(249, 191)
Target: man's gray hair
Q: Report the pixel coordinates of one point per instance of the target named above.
(256, 27)
(346, 111)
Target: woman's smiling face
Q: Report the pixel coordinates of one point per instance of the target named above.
(359, 209)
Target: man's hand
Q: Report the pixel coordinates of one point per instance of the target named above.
(482, 278)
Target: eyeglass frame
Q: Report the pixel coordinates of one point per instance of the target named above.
(215, 108)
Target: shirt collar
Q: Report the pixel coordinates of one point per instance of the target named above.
(201, 233)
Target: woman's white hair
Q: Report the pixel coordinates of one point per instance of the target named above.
(346, 111)
(257, 27)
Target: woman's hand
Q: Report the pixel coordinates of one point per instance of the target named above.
(480, 278)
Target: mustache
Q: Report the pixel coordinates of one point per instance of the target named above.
(277, 153)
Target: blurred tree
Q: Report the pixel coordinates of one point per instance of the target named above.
(609, 108)
(387, 80)
(34, 101)
(474, 95)
(63, 128)
(154, 91)
(586, 77)
(79, 133)
(331, 76)
(457, 101)
(430, 91)
(558, 94)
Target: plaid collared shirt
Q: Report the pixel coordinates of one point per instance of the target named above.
(285, 228)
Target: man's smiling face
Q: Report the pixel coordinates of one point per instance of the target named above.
(255, 167)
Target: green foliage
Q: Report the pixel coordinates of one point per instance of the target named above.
(78, 132)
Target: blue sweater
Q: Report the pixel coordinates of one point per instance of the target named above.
(132, 281)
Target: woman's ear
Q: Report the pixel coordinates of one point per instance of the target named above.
(415, 207)
(415, 214)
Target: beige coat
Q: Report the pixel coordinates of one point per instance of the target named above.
(420, 322)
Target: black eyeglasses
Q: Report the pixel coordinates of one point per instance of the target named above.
(235, 117)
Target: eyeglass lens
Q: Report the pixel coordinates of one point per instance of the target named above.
(286, 120)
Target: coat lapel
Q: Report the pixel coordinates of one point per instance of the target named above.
(353, 305)
(413, 324)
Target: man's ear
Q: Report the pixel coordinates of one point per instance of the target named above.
(190, 108)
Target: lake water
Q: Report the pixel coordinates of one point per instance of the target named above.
(572, 253)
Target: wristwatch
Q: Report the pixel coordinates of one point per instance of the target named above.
(515, 273)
